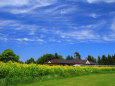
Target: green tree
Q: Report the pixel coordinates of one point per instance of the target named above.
(77, 55)
(9, 55)
(99, 60)
(91, 58)
(45, 58)
(113, 59)
(69, 57)
(104, 60)
(109, 60)
(56, 56)
(31, 60)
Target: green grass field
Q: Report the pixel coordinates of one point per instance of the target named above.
(86, 80)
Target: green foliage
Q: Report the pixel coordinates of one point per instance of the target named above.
(91, 58)
(31, 60)
(113, 59)
(77, 55)
(9, 55)
(47, 57)
(69, 57)
(109, 60)
(99, 60)
(56, 56)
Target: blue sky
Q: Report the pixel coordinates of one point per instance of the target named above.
(35, 27)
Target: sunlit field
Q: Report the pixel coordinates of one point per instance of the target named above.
(87, 80)
(16, 73)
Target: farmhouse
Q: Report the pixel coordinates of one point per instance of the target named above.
(76, 61)
(69, 62)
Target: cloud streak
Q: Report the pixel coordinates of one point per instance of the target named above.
(28, 39)
(23, 6)
(98, 1)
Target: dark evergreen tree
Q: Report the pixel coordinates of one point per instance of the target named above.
(91, 58)
(69, 57)
(56, 56)
(72, 58)
(104, 60)
(99, 60)
(109, 60)
(113, 59)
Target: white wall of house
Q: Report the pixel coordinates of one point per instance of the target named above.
(49, 62)
(87, 62)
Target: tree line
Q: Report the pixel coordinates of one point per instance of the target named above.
(9, 55)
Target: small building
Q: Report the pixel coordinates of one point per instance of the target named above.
(77, 61)
(69, 62)
(60, 62)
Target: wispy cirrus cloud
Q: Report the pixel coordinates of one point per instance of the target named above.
(28, 39)
(24, 6)
(97, 1)
(81, 35)
(111, 33)
(113, 25)
(3, 37)
(51, 18)
(109, 37)
(94, 15)
(16, 26)
(18, 3)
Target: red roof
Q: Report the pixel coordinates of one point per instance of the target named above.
(62, 61)
(84, 61)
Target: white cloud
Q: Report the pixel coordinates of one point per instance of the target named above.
(27, 39)
(80, 35)
(93, 15)
(20, 3)
(7, 22)
(111, 32)
(3, 37)
(4, 3)
(113, 25)
(60, 9)
(23, 6)
(52, 39)
(16, 25)
(108, 38)
(97, 25)
(68, 10)
(97, 1)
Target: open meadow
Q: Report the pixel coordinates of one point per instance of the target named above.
(87, 80)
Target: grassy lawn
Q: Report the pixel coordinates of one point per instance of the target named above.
(87, 80)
